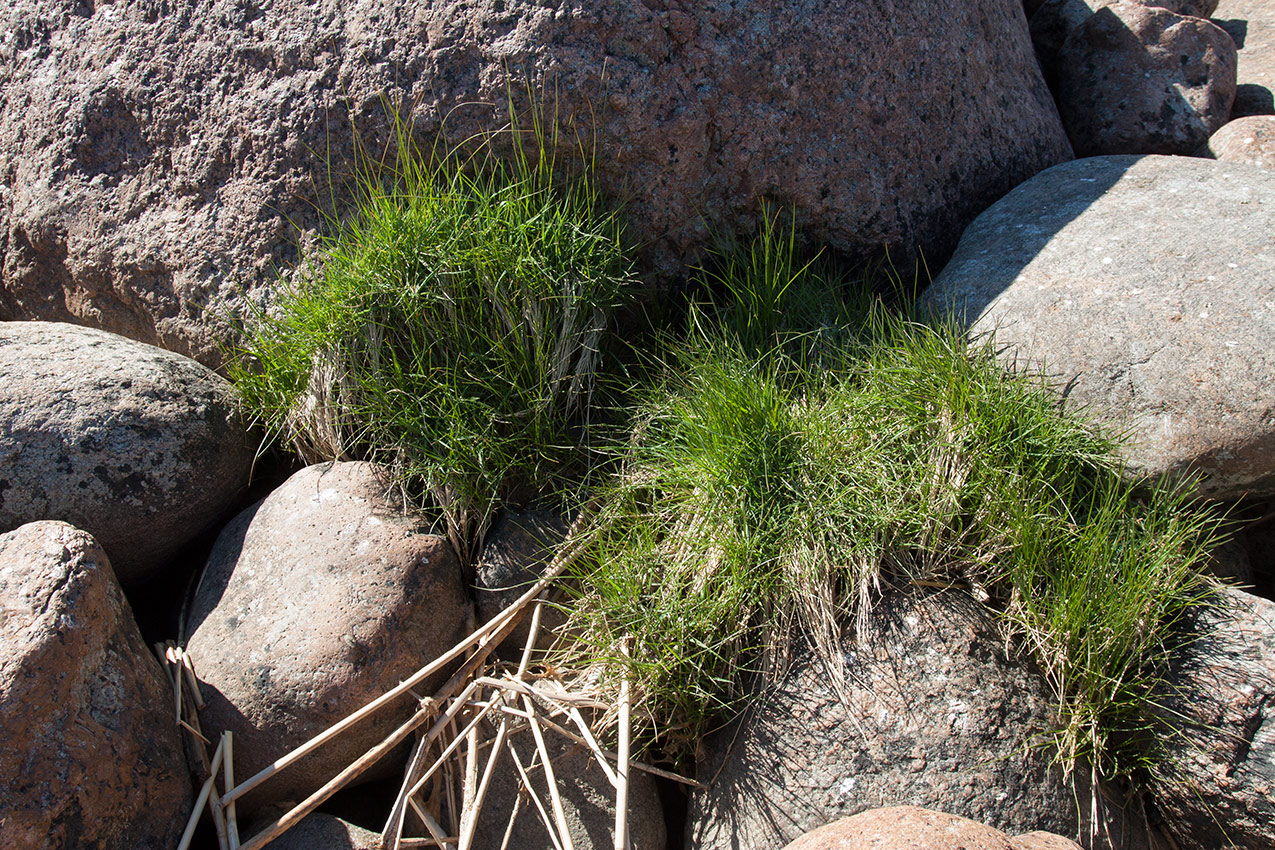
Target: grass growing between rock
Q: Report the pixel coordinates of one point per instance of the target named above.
(451, 328)
(800, 450)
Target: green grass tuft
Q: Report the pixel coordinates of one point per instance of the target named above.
(452, 327)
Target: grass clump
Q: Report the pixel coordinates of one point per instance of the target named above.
(790, 461)
(451, 327)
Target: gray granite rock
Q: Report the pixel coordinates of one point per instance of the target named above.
(160, 158)
(314, 602)
(935, 716)
(1251, 24)
(914, 828)
(1144, 287)
(1218, 789)
(138, 446)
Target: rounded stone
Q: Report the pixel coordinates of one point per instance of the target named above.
(138, 446)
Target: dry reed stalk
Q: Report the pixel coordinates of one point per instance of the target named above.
(534, 797)
(551, 781)
(228, 781)
(509, 827)
(219, 821)
(202, 800)
(371, 757)
(392, 834)
(188, 667)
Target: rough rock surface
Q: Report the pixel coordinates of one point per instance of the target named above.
(1251, 24)
(914, 828)
(1140, 79)
(1248, 140)
(153, 154)
(324, 832)
(517, 551)
(138, 446)
(588, 801)
(1219, 791)
(1145, 288)
(89, 754)
(314, 602)
(937, 717)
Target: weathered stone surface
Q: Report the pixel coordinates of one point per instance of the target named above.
(1219, 788)
(1140, 79)
(1145, 288)
(1248, 140)
(517, 551)
(588, 800)
(154, 153)
(138, 446)
(89, 754)
(935, 716)
(914, 828)
(1251, 24)
(314, 602)
(324, 832)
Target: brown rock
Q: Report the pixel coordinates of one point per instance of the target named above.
(913, 828)
(157, 156)
(89, 754)
(314, 602)
(140, 447)
(1139, 79)
(1248, 140)
(1251, 24)
(936, 715)
(1218, 788)
(1143, 288)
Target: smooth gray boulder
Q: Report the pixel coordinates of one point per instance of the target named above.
(1218, 788)
(1144, 288)
(163, 159)
(138, 446)
(90, 757)
(936, 716)
(315, 601)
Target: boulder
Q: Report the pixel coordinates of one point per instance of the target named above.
(588, 800)
(914, 828)
(1144, 288)
(315, 601)
(515, 554)
(140, 447)
(162, 160)
(89, 756)
(1139, 79)
(1218, 787)
(323, 832)
(1248, 140)
(935, 715)
(1251, 24)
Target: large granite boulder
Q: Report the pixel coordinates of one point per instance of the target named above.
(516, 552)
(314, 602)
(323, 832)
(156, 156)
(1144, 288)
(1140, 79)
(140, 447)
(1218, 788)
(936, 716)
(89, 753)
(1251, 24)
(1248, 140)
(914, 828)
